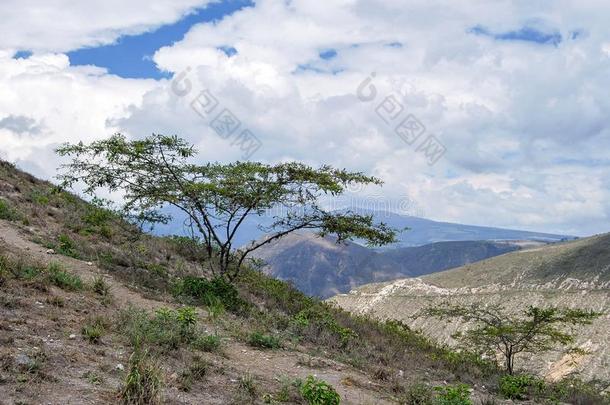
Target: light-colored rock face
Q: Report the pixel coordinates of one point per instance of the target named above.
(404, 299)
(572, 275)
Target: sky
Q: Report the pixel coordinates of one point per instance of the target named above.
(490, 113)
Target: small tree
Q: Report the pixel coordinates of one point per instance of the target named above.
(534, 330)
(157, 172)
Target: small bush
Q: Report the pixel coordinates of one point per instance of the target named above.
(196, 372)
(166, 328)
(66, 246)
(257, 339)
(418, 394)
(208, 292)
(318, 392)
(458, 394)
(94, 329)
(63, 279)
(100, 286)
(143, 381)
(515, 386)
(6, 212)
(207, 343)
(248, 385)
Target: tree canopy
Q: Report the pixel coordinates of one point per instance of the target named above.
(159, 171)
(533, 330)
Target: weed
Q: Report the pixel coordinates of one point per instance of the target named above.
(143, 381)
(257, 339)
(94, 329)
(7, 212)
(458, 394)
(208, 292)
(66, 246)
(196, 372)
(93, 378)
(62, 279)
(56, 301)
(100, 286)
(318, 392)
(207, 343)
(418, 394)
(248, 385)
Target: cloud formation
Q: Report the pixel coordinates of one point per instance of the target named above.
(520, 103)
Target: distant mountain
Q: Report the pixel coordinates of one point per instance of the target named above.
(321, 267)
(571, 274)
(422, 231)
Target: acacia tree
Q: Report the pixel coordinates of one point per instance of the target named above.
(534, 330)
(158, 171)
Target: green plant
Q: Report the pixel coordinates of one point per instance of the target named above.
(100, 286)
(63, 279)
(94, 329)
(318, 392)
(418, 394)
(248, 384)
(207, 343)
(6, 212)
(197, 370)
(66, 246)
(257, 339)
(518, 386)
(142, 385)
(211, 292)
(458, 394)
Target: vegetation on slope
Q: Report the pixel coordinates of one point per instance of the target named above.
(173, 349)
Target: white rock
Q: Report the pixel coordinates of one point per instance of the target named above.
(72, 336)
(120, 367)
(89, 263)
(50, 252)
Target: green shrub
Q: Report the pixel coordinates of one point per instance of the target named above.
(519, 386)
(196, 371)
(257, 339)
(458, 394)
(143, 381)
(66, 246)
(6, 212)
(100, 286)
(63, 279)
(207, 292)
(94, 329)
(207, 343)
(318, 392)
(418, 394)
(167, 328)
(248, 385)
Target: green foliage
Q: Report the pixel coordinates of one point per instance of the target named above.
(218, 198)
(142, 385)
(207, 343)
(167, 328)
(66, 246)
(63, 279)
(458, 394)
(535, 330)
(6, 212)
(418, 394)
(210, 292)
(321, 317)
(318, 392)
(100, 286)
(197, 370)
(257, 339)
(93, 330)
(518, 386)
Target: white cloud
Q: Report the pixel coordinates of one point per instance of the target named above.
(63, 25)
(525, 125)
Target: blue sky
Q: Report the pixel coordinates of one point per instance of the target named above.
(131, 56)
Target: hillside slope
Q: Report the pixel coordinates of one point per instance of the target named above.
(321, 267)
(571, 274)
(86, 300)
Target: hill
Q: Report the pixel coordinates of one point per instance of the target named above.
(94, 311)
(421, 231)
(572, 274)
(321, 267)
